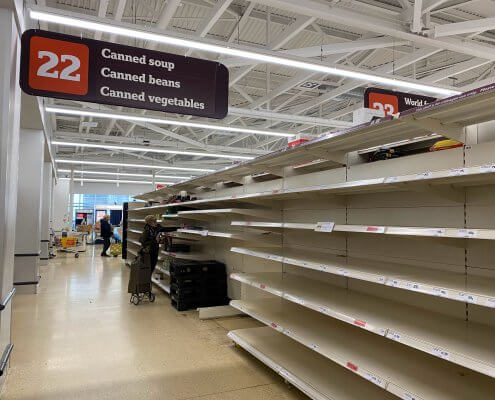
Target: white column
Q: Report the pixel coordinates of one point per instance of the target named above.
(46, 207)
(28, 222)
(9, 145)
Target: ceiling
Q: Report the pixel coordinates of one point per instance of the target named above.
(394, 37)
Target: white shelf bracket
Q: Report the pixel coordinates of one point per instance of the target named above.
(336, 156)
(452, 131)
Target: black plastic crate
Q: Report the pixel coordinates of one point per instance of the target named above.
(185, 292)
(183, 304)
(178, 268)
(186, 280)
(177, 247)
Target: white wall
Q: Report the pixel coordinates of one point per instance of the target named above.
(61, 196)
(60, 205)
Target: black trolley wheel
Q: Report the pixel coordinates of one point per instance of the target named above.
(151, 297)
(76, 255)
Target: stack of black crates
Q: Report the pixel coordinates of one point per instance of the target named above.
(196, 284)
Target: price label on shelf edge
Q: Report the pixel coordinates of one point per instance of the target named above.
(424, 175)
(441, 353)
(375, 229)
(457, 171)
(487, 168)
(324, 226)
(467, 233)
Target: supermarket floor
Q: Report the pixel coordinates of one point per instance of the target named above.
(79, 338)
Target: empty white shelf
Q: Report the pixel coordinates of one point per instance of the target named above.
(134, 242)
(165, 286)
(447, 284)
(170, 216)
(134, 253)
(209, 213)
(264, 237)
(162, 270)
(460, 111)
(400, 370)
(186, 256)
(313, 374)
(141, 221)
(467, 344)
(134, 231)
(456, 177)
(453, 233)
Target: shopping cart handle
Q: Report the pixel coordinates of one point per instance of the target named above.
(5, 357)
(6, 300)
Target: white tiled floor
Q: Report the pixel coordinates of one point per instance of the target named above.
(79, 338)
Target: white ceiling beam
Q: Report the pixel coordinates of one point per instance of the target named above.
(417, 19)
(166, 145)
(369, 23)
(429, 5)
(298, 119)
(238, 27)
(207, 23)
(287, 34)
(165, 18)
(302, 63)
(404, 4)
(459, 28)
(243, 93)
(388, 68)
(153, 127)
(327, 49)
(119, 13)
(102, 12)
(455, 70)
(484, 82)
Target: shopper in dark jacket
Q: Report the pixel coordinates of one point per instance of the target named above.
(148, 239)
(106, 233)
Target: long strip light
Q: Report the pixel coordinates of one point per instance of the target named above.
(148, 150)
(114, 164)
(164, 121)
(258, 56)
(114, 181)
(80, 171)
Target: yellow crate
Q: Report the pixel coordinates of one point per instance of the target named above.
(70, 241)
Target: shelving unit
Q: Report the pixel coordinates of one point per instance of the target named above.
(311, 373)
(187, 256)
(445, 284)
(470, 346)
(161, 284)
(449, 115)
(266, 237)
(213, 213)
(409, 306)
(453, 233)
(399, 370)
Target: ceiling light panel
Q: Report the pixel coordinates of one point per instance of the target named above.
(129, 165)
(164, 121)
(149, 150)
(93, 24)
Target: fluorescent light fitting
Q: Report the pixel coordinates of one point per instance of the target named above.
(79, 171)
(113, 164)
(148, 150)
(114, 181)
(164, 121)
(259, 57)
